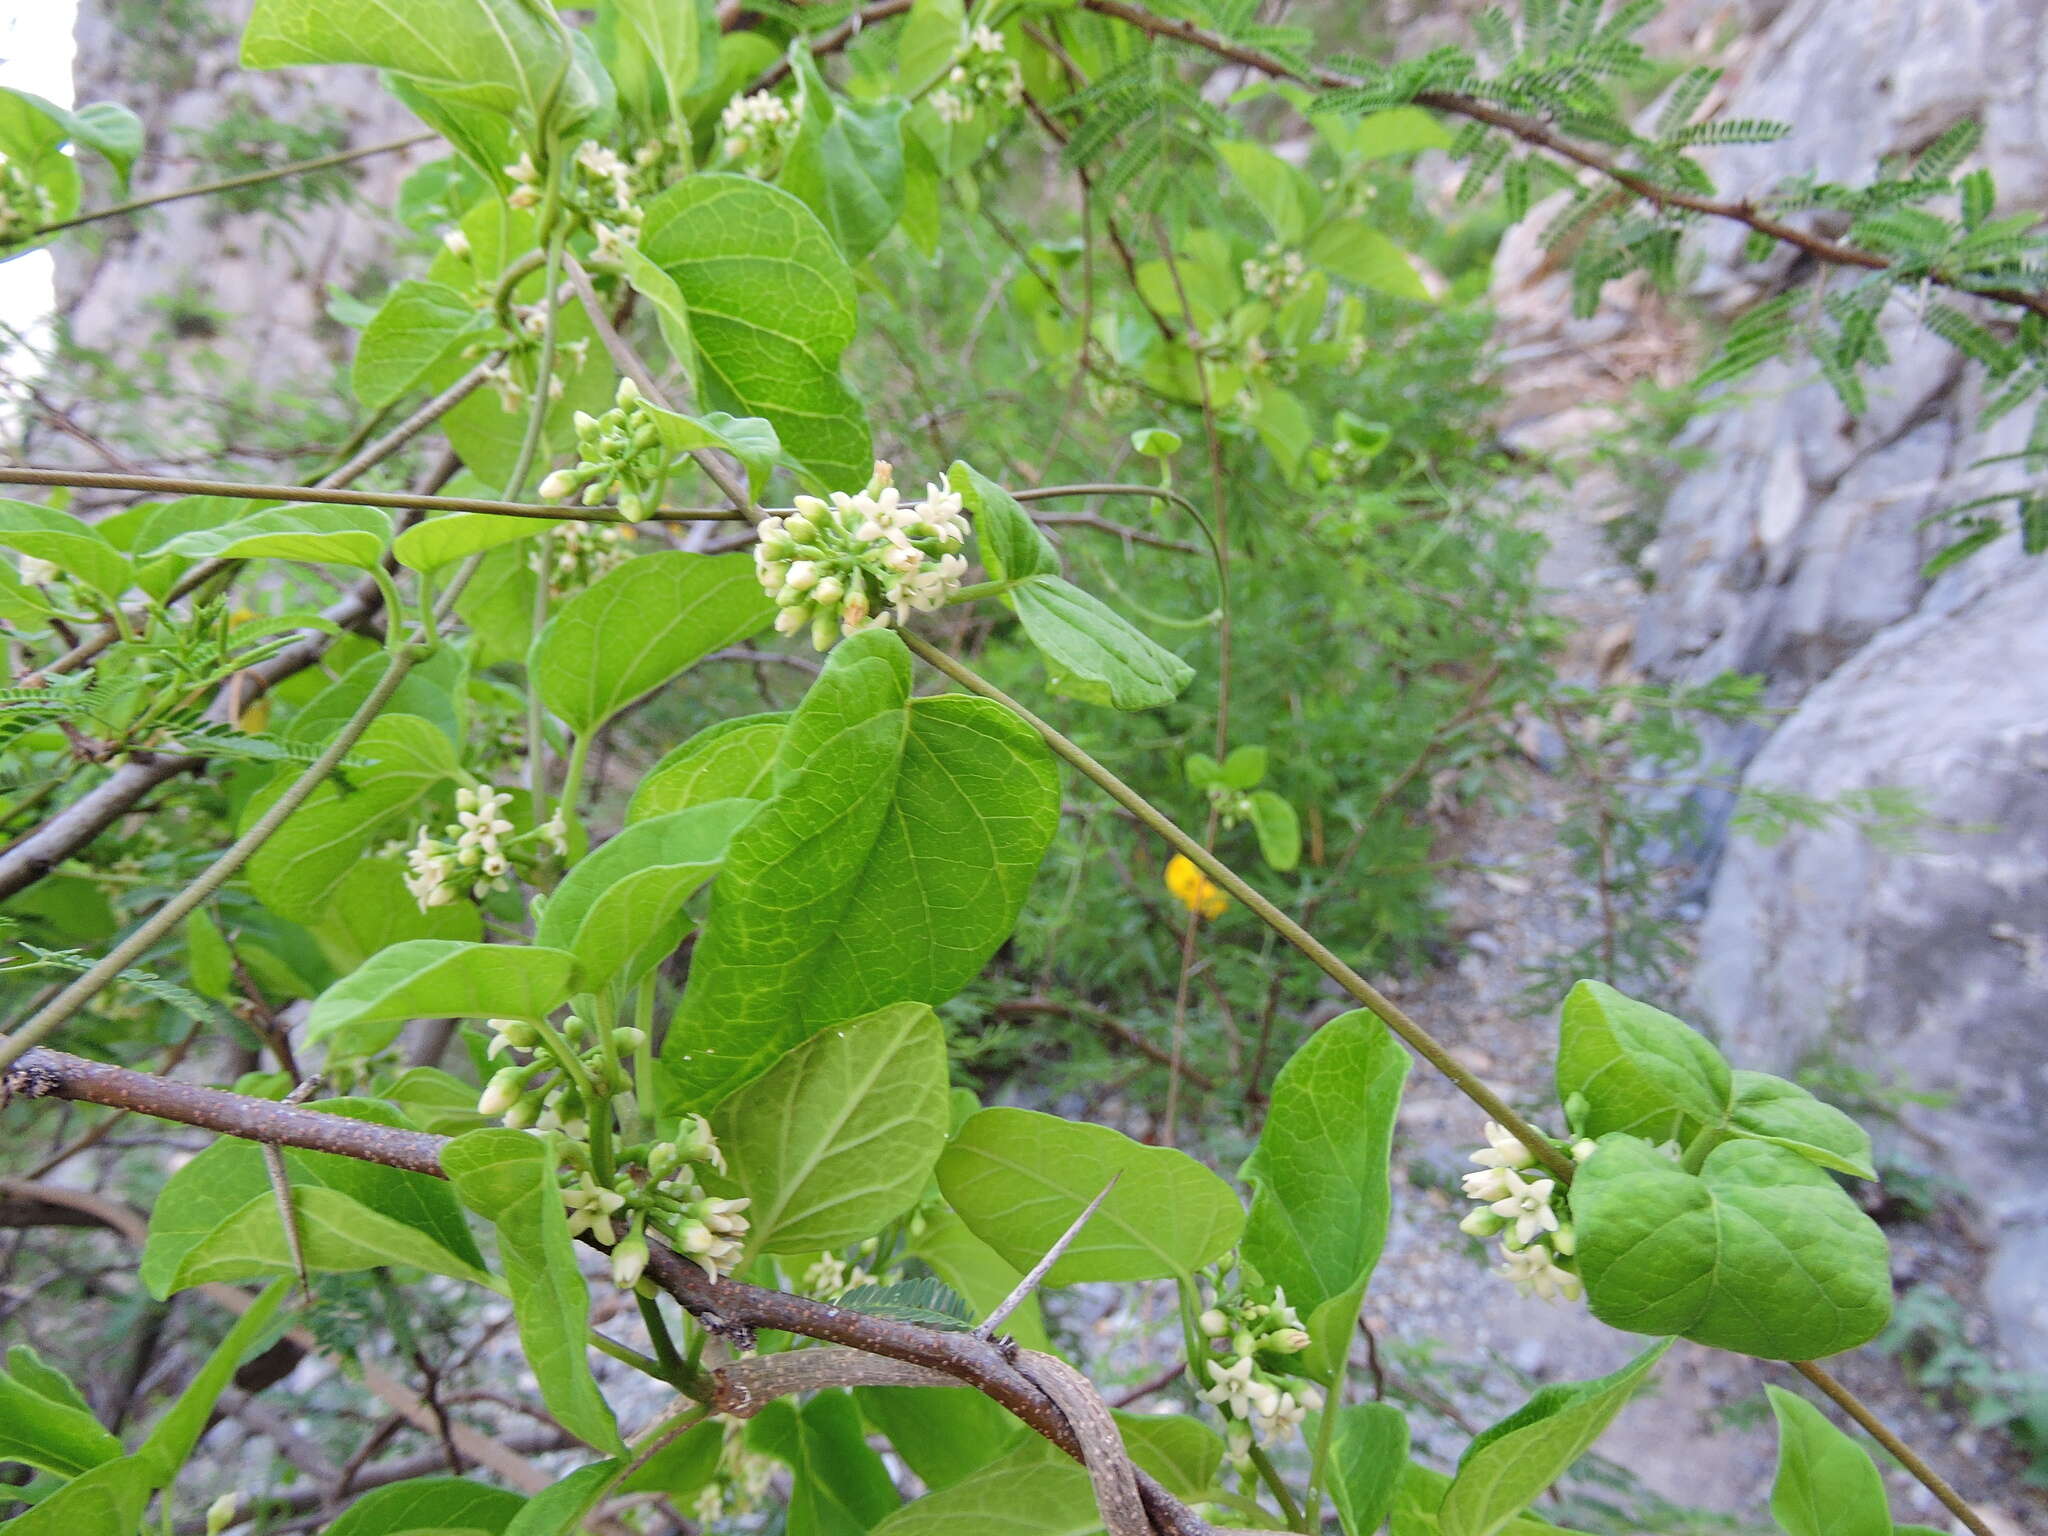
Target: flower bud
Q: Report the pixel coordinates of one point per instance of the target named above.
(523, 1115)
(628, 1037)
(1584, 1148)
(828, 590)
(627, 395)
(558, 485)
(502, 1092)
(1564, 1240)
(629, 1260)
(221, 1513)
(1287, 1341)
(1481, 1223)
(1213, 1324)
(803, 575)
(456, 244)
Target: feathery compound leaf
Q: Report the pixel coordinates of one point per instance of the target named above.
(927, 1302)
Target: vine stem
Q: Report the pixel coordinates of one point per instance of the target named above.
(328, 495)
(171, 913)
(1326, 960)
(1878, 1430)
(230, 183)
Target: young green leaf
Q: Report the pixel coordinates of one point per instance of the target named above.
(1509, 1464)
(1827, 1485)
(747, 438)
(438, 979)
(430, 1504)
(839, 1487)
(1019, 1178)
(732, 760)
(1366, 1461)
(846, 161)
(110, 1497)
(1358, 253)
(1010, 544)
(1770, 1109)
(67, 542)
(1280, 191)
(1278, 829)
(640, 625)
(510, 1178)
(353, 536)
(456, 536)
(1760, 1252)
(617, 898)
(976, 1271)
(1091, 653)
(171, 1442)
(1022, 1494)
(1638, 1069)
(45, 1426)
(418, 325)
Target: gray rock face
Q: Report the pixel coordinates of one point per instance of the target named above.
(1797, 553)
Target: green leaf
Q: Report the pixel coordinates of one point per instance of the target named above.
(1019, 1178)
(230, 1175)
(928, 42)
(846, 161)
(1243, 769)
(171, 1442)
(639, 626)
(510, 1177)
(559, 1508)
(1770, 1109)
(1366, 1461)
(1278, 828)
(1320, 1197)
(33, 133)
(839, 1138)
(110, 1498)
(72, 545)
(1827, 1485)
(371, 910)
(670, 37)
(439, 979)
(1509, 1464)
(1280, 191)
(336, 1233)
(1761, 1253)
(1380, 135)
(1010, 544)
(771, 308)
(888, 867)
(436, 1101)
(44, 1424)
(1092, 654)
(504, 55)
(1358, 253)
(732, 760)
(1638, 1069)
(113, 132)
(430, 1504)
(671, 309)
(747, 438)
(456, 536)
(353, 536)
(418, 325)
(1023, 1494)
(944, 1434)
(840, 1487)
(618, 898)
(977, 1272)
(1183, 1453)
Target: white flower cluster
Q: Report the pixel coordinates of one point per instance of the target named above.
(832, 1277)
(841, 566)
(619, 451)
(1526, 1214)
(470, 855)
(24, 206)
(756, 132)
(1256, 1340)
(579, 553)
(1274, 275)
(985, 73)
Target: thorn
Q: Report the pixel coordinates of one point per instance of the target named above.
(987, 1326)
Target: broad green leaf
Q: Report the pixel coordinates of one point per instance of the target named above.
(112, 131)
(44, 1427)
(1010, 544)
(732, 760)
(1320, 1197)
(1280, 191)
(1023, 1494)
(510, 1178)
(1420, 1494)
(1358, 253)
(353, 536)
(839, 1138)
(559, 1509)
(371, 910)
(977, 1272)
(1770, 1109)
(1379, 135)
(944, 1434)
(1366, 1461)
(928, 42)
(670, 37)
(840, 1487)
(171, 1442)
(67, 542)
(1092, 654)
(33, 133)
(1278, 829)
(110, 1498)
(434, 690)
(1182, 1452)
(846, 161)
(1243, 768)
(436, 1504)
(888, 867)
(1761, 1253)
(439, 979)
(1827, 1485)
(771, 308)
(417, 326)
(749, 439)
(616, 899)
(230, 1174)
(337, 1234)
(1019, 1178)
(684, 1465)
(456, 536)
(506, 55)
(640, 625)
(434, 1100)
(1509, 1464)
(1639, 1069)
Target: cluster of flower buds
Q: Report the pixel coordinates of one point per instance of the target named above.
(1253, 1347)
(1528, 1214)
(839, 567)
(470, 856)
(24, 206)
(1274, 275)
(831, 1277)
(620, 451)
(985, 73)
(578, 553)
(741, 1483)
(755, 132)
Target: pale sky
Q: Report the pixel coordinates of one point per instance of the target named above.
(35, 55)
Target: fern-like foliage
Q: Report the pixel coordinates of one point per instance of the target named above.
(178, 999)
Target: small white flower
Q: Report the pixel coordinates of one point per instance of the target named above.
(1535, 1273)
(456, 244)
(1503, 1150)
(1232, 1386)
(39, 573)
(1527, 1205)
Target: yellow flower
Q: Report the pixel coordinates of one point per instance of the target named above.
(1193, 889)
